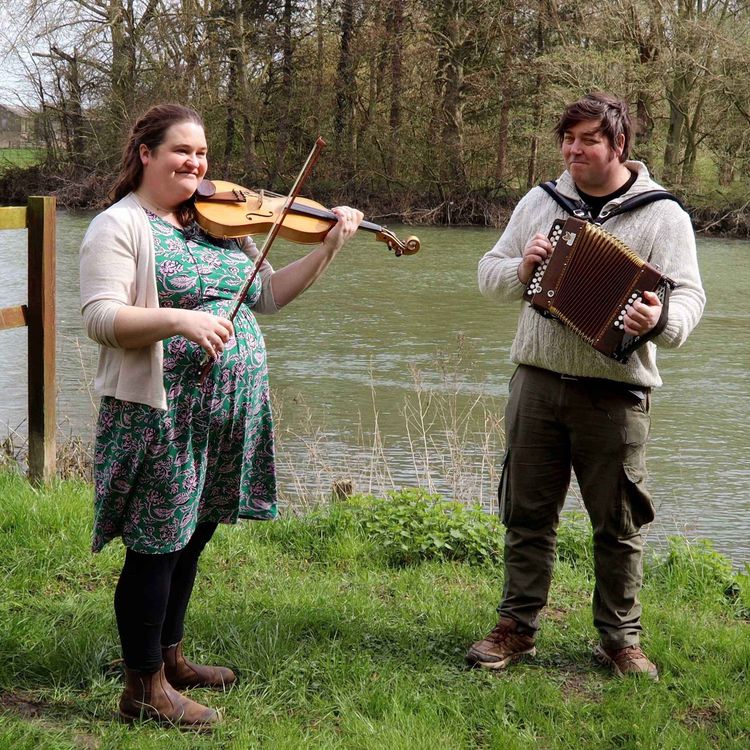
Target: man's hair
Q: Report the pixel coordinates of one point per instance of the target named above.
(611, 112)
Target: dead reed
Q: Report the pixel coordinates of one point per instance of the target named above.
(451, 441)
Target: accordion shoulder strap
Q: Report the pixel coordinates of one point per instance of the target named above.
(574, 208)
(581, 210)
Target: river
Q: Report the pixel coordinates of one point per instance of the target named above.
(392, 372)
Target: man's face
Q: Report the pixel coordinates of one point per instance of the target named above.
(591, 159)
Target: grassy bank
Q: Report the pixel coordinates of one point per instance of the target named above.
(20, 157)
(348, 628)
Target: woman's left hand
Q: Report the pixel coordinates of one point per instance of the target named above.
(290, 281)
(344, 229)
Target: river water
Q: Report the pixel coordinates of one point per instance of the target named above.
(392, 372)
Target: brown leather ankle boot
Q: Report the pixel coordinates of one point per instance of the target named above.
(182, 673)
(148, 695)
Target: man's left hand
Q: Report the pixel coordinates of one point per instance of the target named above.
(642, 315)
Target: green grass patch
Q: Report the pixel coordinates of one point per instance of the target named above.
(21, 157)
(348, 633)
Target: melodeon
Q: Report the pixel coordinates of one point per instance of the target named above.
(587, 282)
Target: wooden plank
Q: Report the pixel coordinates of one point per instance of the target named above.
(13, 217)
(41, 321)
(12, 317)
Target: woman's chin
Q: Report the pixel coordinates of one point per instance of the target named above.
(184, 191)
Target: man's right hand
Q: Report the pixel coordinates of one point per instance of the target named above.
(537, 249)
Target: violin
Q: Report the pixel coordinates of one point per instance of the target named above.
(227, 210)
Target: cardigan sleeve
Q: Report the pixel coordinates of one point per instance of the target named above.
(107, 276)
(266, 303)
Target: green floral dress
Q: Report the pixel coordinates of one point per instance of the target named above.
(210, 455)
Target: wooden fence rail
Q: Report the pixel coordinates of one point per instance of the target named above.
(39, 316)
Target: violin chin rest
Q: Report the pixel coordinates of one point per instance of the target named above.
(206, 189)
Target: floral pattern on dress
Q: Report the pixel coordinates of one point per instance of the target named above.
(210, 455)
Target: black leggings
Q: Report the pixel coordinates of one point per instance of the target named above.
(152, 597)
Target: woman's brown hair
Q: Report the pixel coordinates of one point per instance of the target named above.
(150, 130)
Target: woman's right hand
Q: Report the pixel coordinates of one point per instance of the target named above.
(211, 332)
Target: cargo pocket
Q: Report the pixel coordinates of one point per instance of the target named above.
(637, 505)
(503, 490)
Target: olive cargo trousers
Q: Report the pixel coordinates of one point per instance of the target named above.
(600, 429)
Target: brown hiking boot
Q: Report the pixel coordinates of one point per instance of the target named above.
(148, 695)
(182, 673)
(628, 660)
(501, 647)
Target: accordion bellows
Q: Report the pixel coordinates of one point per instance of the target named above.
(587, 283)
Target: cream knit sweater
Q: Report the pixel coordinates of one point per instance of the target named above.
(660, 232)
(117, 267)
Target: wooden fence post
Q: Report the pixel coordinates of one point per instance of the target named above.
(42, 325)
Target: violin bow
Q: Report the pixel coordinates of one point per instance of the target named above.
(241, 295)
(312, 157)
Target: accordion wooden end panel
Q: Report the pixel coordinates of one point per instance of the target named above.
(588, 281)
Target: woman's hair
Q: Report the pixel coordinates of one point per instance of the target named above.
(609, 110)
(148, 130)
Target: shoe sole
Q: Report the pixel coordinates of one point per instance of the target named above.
(475, 659)
(164, 722)
(223, 687)
(601, 656)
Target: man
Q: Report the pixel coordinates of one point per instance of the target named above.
(571, 407)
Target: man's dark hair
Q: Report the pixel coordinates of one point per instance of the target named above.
(609, 110)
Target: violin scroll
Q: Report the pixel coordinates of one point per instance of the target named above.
(399, 247)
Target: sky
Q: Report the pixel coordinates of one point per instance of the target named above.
(14, 89)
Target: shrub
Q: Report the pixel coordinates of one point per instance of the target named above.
(411, 525)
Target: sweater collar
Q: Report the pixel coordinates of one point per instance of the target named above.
(643, 182)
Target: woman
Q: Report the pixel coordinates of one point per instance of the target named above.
(177, 454)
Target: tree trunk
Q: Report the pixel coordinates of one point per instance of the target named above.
(283, 125)
(678, 100)
(452, 168)
(343, 123)
(396, 36)
(531, 172)
(231, 123)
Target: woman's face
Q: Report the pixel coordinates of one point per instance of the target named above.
(172, 170)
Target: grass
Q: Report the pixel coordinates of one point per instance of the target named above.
(342, 644)
(21, 157)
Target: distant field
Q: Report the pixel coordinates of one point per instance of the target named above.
(20, 157)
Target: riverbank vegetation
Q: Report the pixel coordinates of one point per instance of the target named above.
(21, 157)
(348, 627)
(435, 112)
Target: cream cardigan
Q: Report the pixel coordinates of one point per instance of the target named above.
(117, 268)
